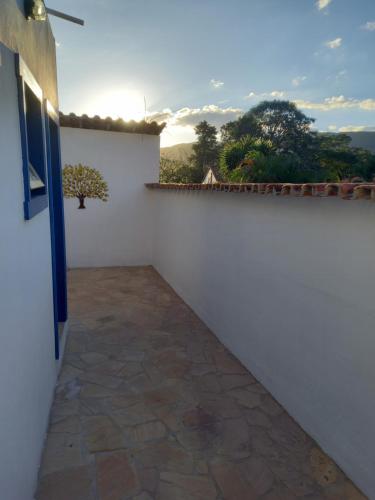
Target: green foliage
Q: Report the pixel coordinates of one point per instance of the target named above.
(80, 181)
(206, 149)
(341, 162)
(273, 142)
(284, 125)
(234, 153)
(281, 168)
(175, 171)
(243, 126)
(279, 122)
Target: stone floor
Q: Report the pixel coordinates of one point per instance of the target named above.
(150, 405)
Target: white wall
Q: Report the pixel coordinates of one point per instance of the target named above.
(119, 231)
(288, 285)
(27, 359)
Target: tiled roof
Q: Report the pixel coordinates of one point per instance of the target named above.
(347, 191)
(110, 125)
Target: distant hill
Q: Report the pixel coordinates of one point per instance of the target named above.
(180, 152)
(364, 140)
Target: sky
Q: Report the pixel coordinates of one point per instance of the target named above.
(183, 61)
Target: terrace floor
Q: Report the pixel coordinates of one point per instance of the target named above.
(150, 405)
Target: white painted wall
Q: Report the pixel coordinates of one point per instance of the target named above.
(27, 361)
(288, 285)
(119, 231)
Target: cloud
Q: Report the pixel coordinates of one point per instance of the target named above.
(338, 102)
(357, 128)
(191, 116)
(332, 128)
(160, 116)
(334, 44)
(216, 84)
(212, 113)
(369, 26)
(296, 82)
(322, 4)
(276, 94)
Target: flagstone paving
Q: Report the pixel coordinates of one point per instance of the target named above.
(150, 405)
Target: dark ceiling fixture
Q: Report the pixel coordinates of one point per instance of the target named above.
(37, 11)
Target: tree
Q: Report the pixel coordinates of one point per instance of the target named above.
(179, 172)
(206, 149)
(80, 181)
(243, 126)
(339, 161)
(282, 123)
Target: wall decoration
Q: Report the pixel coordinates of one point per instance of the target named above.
(81, 182)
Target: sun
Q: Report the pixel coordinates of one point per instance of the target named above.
(121, 103)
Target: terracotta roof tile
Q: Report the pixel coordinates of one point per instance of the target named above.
(110, 125)
(346, 191)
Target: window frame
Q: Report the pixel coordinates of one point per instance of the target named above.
(34, 203)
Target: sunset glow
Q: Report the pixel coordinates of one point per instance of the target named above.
(122, 103)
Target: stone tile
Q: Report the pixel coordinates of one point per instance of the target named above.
(115, 476)
(64, 409)
(172, 364)
(198, 487)
(229, 382)
(61, 451)
(149, 479)
(256, 472)
(231, 483)
(149, 431)
(226, 363)
(271, 407)
(130, 368)
(166, 456)
(169, 418)
(143, 496)
(69, 373)
(208, 383)
(67, 425)
(234, 438)
(141, 370)
(168, 491)
(136, 414)
(93, 358)
(72, 483)
(101, 434)
(90, 390)
(324, 469)
(221, 406)
(343, 491)
(246, 398)
(97, 378)
(256, 417)
(198, 369)
(160, 397)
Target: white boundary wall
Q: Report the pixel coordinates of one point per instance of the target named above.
(119, 231)
(288, 286)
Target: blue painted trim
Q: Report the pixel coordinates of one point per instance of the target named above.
(33, 203)
(53, 239)
(57, 219)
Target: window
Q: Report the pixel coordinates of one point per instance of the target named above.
(30, 99)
